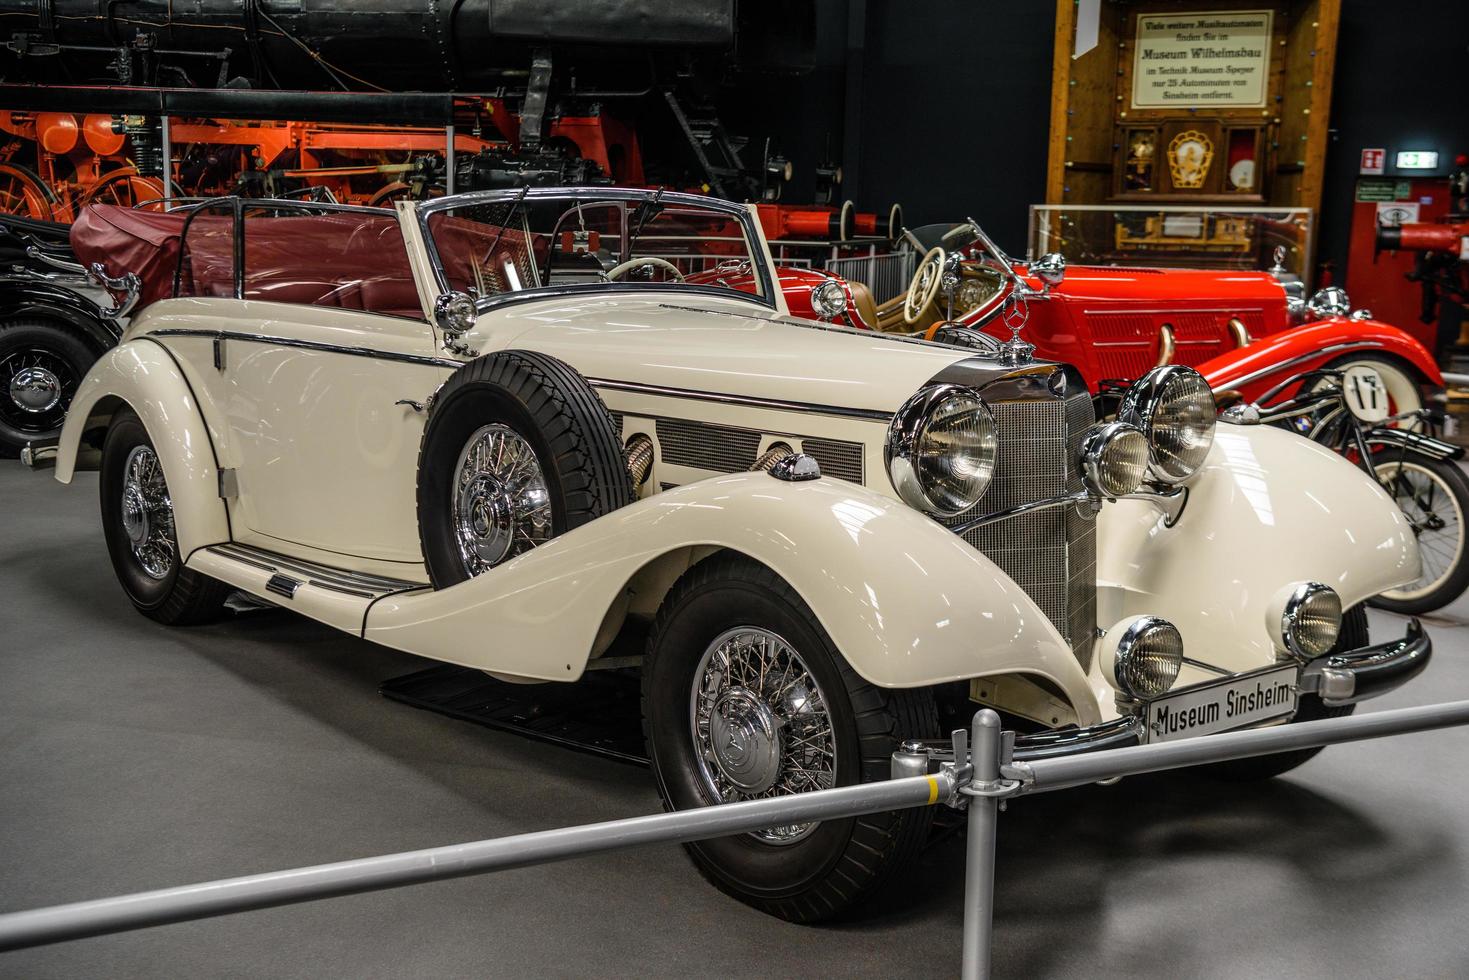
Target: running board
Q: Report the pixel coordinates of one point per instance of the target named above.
(335, 596)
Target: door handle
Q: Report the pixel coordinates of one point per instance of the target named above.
(416, 406)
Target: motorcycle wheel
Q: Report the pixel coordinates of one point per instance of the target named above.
(1434, 494)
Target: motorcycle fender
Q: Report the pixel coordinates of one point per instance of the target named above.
(144, 376)
(1267, 510)
(1391, 439)
(1255, 368)
(906, 601)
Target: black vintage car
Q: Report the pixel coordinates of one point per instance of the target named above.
(56, 318)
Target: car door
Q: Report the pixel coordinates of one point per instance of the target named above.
(325, 376)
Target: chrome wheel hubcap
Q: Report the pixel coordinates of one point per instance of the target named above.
(760, 724)
(501, 505)
(147, 512)
(35, 389)
(35, 385)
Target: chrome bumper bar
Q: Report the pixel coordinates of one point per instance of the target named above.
(40, 454)
(1357, 675)
(1343, 678)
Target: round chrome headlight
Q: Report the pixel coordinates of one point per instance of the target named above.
(1175, 410)
(941, 448)
(1331, 301)
(1144, 659)
(829, 299)
(1114, 459)
(455, 313)
(1310, 621)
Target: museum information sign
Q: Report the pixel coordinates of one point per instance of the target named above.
(1203, 59)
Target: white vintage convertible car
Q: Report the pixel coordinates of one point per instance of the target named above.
(499, 429)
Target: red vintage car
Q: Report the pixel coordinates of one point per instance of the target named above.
(1244, 331)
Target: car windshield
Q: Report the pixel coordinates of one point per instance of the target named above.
(514, 243)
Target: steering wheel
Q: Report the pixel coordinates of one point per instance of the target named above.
(625, 267)
(925, 285)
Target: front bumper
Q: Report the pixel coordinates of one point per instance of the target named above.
(1339, 679)
(1347, 678)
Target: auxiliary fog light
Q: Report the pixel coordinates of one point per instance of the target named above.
(1114, 459)
(1141, 656)
(1305, 619)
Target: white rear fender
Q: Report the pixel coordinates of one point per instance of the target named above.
(1268, 509)
(142, 375)
(906, 601)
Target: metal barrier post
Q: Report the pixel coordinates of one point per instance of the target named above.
(979, 863)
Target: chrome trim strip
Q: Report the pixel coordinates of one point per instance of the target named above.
(1272, 369)
(777, 404)
(318, 574)
(260, 338)
(1174, 311)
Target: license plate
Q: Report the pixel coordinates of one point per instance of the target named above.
(1219, 706)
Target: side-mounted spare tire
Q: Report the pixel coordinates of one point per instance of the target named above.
(518, 448)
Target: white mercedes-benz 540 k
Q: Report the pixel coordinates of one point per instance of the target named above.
(498, 429)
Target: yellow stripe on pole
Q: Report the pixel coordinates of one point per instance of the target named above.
(933, 790)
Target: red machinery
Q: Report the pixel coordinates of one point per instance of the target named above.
(1377, 271)
(77, 159)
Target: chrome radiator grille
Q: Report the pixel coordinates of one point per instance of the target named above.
(1051, 554)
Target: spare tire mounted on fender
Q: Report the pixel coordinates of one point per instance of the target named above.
(517, 450)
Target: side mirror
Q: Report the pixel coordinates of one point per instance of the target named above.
(455, 314)
(1050, 268)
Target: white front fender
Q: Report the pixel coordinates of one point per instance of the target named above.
(1269, 508)
(906, 601)
(142, 374)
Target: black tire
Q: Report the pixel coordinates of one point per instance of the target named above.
(30, 343)
(182, 596)
(548, 405)
(840, 862)
(1353, 635)
(1448, 503)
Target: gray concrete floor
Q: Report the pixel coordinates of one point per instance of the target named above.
(136, 757)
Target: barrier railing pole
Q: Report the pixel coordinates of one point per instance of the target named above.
(979, 863)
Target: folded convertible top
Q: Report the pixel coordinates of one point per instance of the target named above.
(145, 243)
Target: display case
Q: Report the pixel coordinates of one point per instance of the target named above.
(1175, 235)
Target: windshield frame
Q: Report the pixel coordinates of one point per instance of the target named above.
(755, 243)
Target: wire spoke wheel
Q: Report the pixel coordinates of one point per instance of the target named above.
(23, 194)
(36, 385)
(147, 513)
(760, 724)
(1437, 518)
(501, 504)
